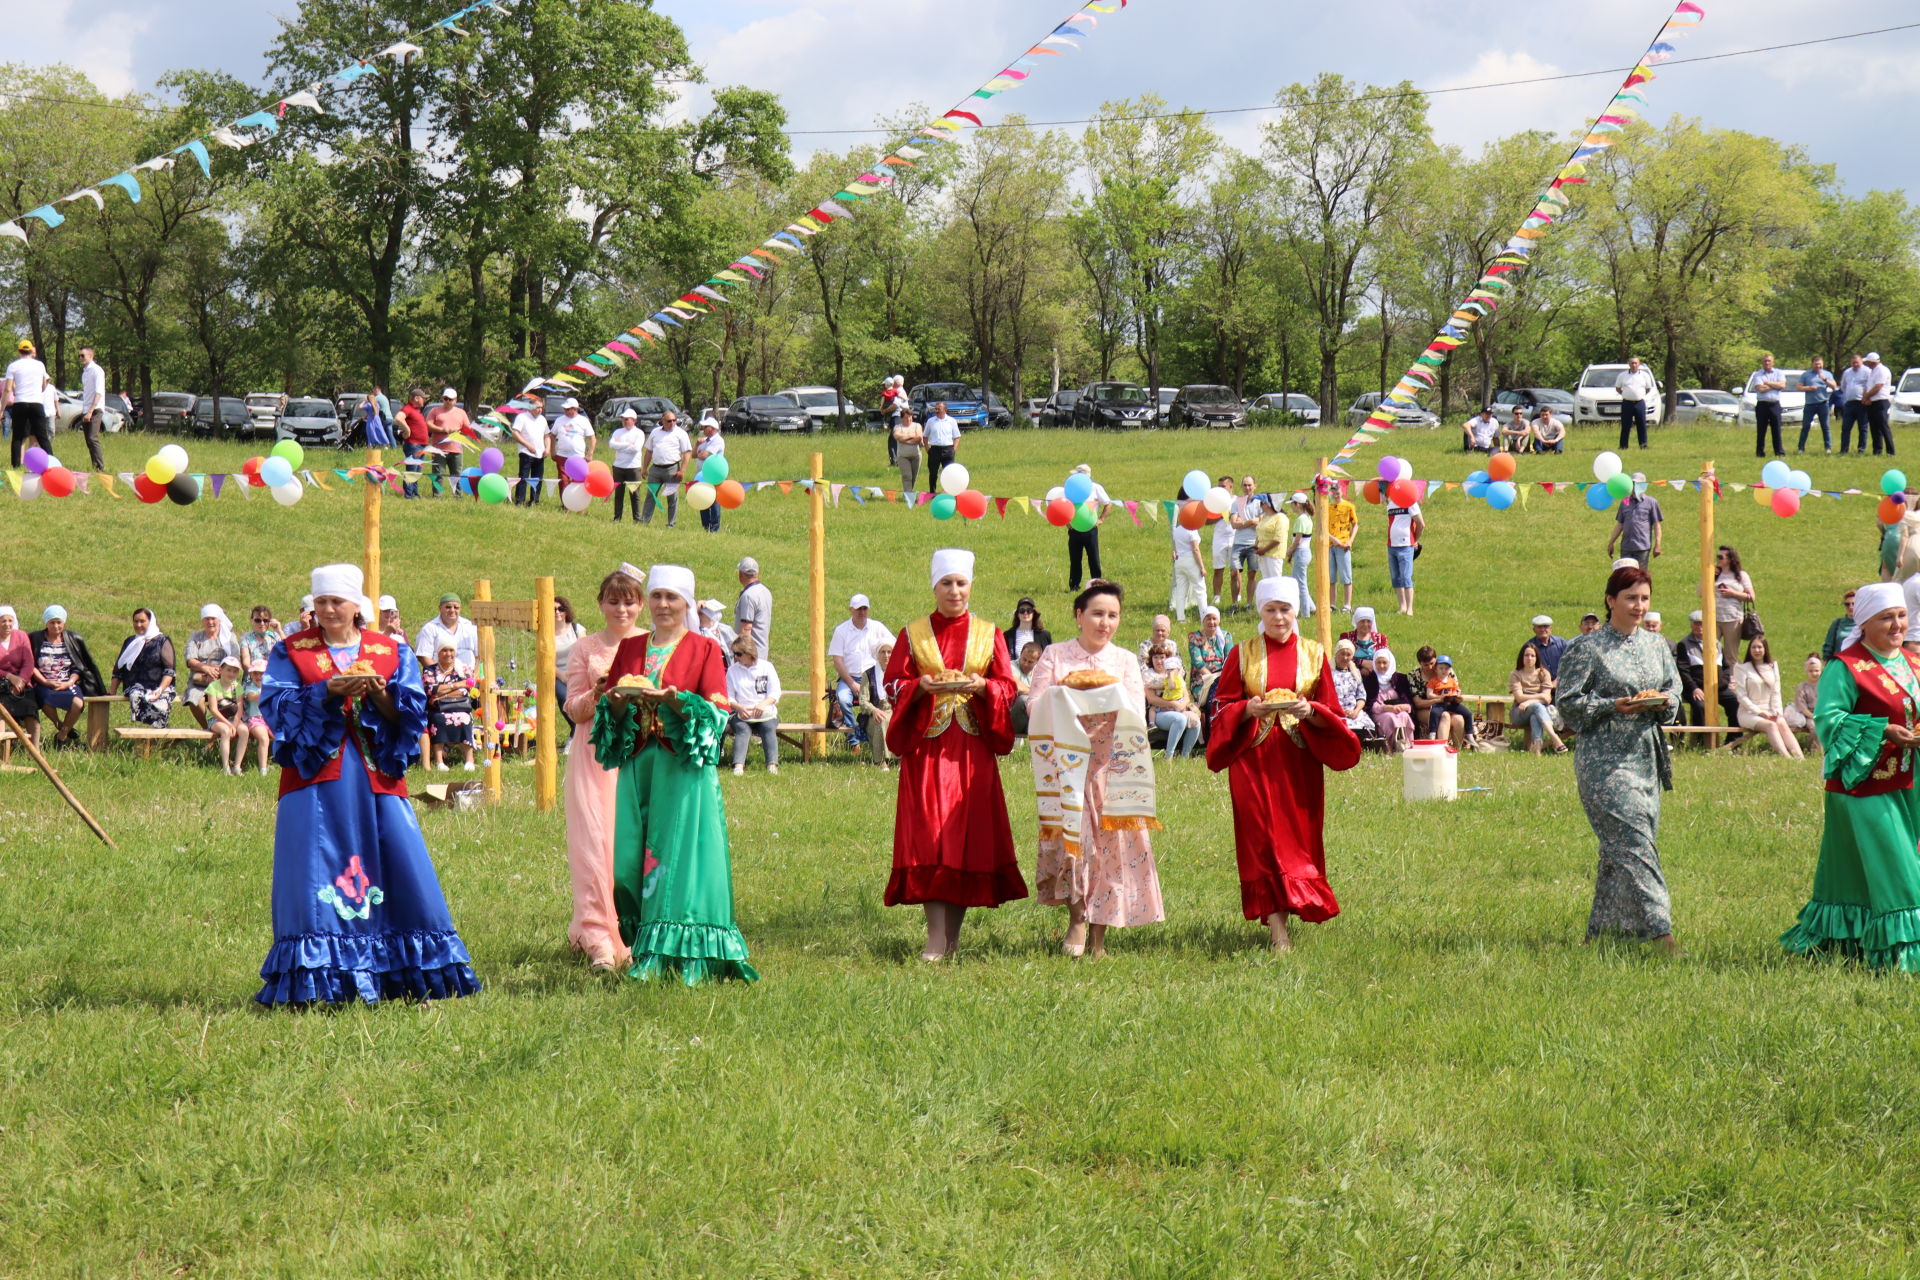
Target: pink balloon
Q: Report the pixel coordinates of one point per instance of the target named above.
(1786, 502)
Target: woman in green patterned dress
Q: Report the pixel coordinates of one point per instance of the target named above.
(1618, 685)
(672, 876)
(1866, 890)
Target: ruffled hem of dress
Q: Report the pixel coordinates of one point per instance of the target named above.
(1309, 897)
(1892, 940)
(910, 886)
(695, 727)
(615, 735)
(318, 968)
(1831, 928)
(693, 953)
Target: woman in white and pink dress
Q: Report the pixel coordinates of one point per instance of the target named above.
(590, 786)
(1096, 858)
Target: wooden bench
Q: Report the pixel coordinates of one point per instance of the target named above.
(100, 719)
(1732, 733)
(143, 737)
(800, 734)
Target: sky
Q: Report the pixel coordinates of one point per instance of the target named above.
(838, 64)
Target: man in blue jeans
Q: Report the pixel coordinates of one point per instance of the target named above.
(1404, 527)
(1818, 386)
(852, 650)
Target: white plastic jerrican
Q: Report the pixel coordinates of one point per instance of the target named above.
(1429, 770)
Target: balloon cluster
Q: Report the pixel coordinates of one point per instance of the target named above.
(1788, 487)
(485, 480)
(45, 475)
(1613, 481)
(1070, 505)
(1893, 507)
(274, 472)
(1395, 484)
(1495, 484)
(958, 497)
(713, 487)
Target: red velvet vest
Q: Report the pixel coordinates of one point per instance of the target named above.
(308, 652)
(1877, 693)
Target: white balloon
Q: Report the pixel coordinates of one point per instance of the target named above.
(287, 494)
(30, 488)
(575, 497)
(1606, 466)
(176, 456)
(1217, 501)
(954, 478)
(700, 495)
(1058, 491)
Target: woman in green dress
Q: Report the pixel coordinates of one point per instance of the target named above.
(1618, 685)
(1866, 890)
(659, 720)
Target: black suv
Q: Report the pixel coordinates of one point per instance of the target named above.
(647, 411)
(169, 411)
(1206, 406)
(754, 414)
(233, 420)
(1113, 405)
(1058, 410)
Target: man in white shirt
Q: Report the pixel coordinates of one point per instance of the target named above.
(22, 399)
(1480, 431)
(669, 452)
(1853, 409)
(1245, 516)
(943, 440)
(1404, 527)
(710, 445)
(753, 611)
(852, 650)
(1084, 544)
(1765, 385)
(1634, 386)
(1877, 396)
(629, 445)
(572, 438)
(533, 441)
(93, 404)
(448, 628)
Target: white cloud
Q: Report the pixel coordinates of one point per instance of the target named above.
(1474, 117)
(98, 44)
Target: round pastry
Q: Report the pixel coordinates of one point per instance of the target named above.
(364, 667)
(1275, 696)
(1088, 679)
(634, 680)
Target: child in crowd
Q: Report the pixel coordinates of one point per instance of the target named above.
(251, 720)
(223, 716)
(449, 688)
(1799, 712)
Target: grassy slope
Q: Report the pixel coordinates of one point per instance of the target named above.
(1441, 1082)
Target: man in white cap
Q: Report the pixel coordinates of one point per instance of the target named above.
(572, 438)
(1637, 524)
(753, 611)
(1081, 545)
(669, 453)
(447, 425)
(711, 444)
(1548, 645)
(852, 652)
(1652, 621)
(533, 445)
(1877, 396)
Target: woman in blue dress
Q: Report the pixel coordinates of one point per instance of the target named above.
(357, 909)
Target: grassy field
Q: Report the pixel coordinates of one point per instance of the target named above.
(1441, 1082)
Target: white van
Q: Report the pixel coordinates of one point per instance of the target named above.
(1595, 400)
(1906, 398)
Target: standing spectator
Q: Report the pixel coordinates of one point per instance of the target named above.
(753, 687)
(449, 628)
(93, 404)
(908, 438)
(1343, 524)
(1637, 525)
(1548, 645)
(1765, 385)
(669, 453)
(145, 670)
(1026, 628)
(1690, 656)
(572, 438)
(1877, 396)
(1549, 432)
(753, 611)
(1189, 572)
(1818, 386)
(1756, 685)
(567, 632)
(1531, 686)
(374, 414)
(1223, 532)
(64, 670)
(710, 445)
(893, 403)
(16, 674)
(629, 445)
(21, 397)
(943, 439)
(1272, 539)
(1245, 516)
(1079, 544)
(447, 424)
(1300, 552)
(852, 654)
(1634, 386)
(413, 445)
(1733, 596)
(533, 444)
(1838, 629)
(1853, 408)
(1404, 529)
(1481, 432)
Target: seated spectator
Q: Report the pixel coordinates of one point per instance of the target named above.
(449, 686)
(1022, 683)
(1170, 704)
(851, 653)
(875, 706)
(753, 686)
(391, 625)
(1590, 623)
(1162, 633)
(222, 709)
(207, 648)
(1389, 702)
(1799, 712)
(711, 626)
(1364, 638)
(63, 672)
(1350, 688)
(1207, 651)
(1531, 685)
(1837, 629)
(449, 628)
(256, 724)
(1481, 432)
(1690, 656)
(145, 670)
(1652, 622)
(257, 644)
(1026, 629)
(1436, 697)
(16, 674)
(1549, 432)
(1549, 646)
(1756, 684)
(1517, 435)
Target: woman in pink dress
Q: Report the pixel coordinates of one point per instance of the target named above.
(1094, 776)
(590, 787)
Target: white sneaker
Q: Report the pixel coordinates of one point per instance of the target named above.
(441, 768)
(739, 771)
(773, 768)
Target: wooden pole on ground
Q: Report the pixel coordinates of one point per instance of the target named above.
(546, 777)
(817, 597)
(1709, 627)
(34, 751)
(1322, 554)
(489, 737)
(375, 483)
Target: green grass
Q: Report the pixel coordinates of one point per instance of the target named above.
(1442, 1082)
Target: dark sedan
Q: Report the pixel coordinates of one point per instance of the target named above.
(998, 415)
(753, 414)
(234, 420)
(169, 411)
(1058, 410)
(1206, 406)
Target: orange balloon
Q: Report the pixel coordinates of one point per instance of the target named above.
(1501, 466)
(1193, 515)
(1371, 492)
(1891, 510)
(730, 494)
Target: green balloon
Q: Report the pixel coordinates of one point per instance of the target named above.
(1894, 483)
(1084, 517)
(494, 489)
(943, 506)
(291, 451)
(1620, 484)
(715, 469)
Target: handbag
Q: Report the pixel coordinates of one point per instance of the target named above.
(1751, 628)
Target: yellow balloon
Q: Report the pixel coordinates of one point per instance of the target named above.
(160, 471)
(1762, 495)
(701, 495)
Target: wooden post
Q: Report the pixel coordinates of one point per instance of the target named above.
(817, 599)
(72, 803)
(372, 563)
(1709, 628)
(488, 737)
(1323, 559)
(546, 788)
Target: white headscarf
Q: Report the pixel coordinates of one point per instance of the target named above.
(1365, 614)
(8, 610)
(950, 562)
(225, 634)
(1393, 666)
(1279, 587)
(1875, 597)
(677, 579)
(136, 642)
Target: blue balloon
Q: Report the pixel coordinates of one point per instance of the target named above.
(1802, 481)
(1479, 477)
(1598, 498)
(1197, 484)
(1476, 488)
(1079, 487)
(276, 471)
(1501, 494)
(1776, 475)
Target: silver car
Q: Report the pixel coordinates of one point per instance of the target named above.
(311, 421)
(1405, 416)
(1700, 404)
(67, 417)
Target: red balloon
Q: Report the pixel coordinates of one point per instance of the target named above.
(1785, 502)
(1403, 493)
(147, 491)
(730, 494)
(1060, 513)
(1192, 515)
(56, 482)
(599, 469)
(1371, 492)
(971, 503)
(599, 483)
(1501, 466)
(251, 470)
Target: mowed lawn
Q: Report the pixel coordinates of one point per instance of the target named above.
(1441, 1082)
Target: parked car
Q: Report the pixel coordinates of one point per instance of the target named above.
(1034, 410)
(1595, 400)
(1166, 404)
(1205, 405)
(1793, 404)
(230, 421)
(1529, 399)
(67, 416)
(1706, 406)
(1906, 397)
(169, 411)
(823, 405)
(1305, 408)
(647, 411)
(1417, 415)
(753, 414)
(266, 408)
(998, 415)
(309, 420)
(964, 404)
(1113, 405)
(1058, 409)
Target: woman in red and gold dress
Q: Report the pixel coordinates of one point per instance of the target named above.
(952, 844)
(1277, 725)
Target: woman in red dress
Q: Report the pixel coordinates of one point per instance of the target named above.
(1274, 751)
(952, 844)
